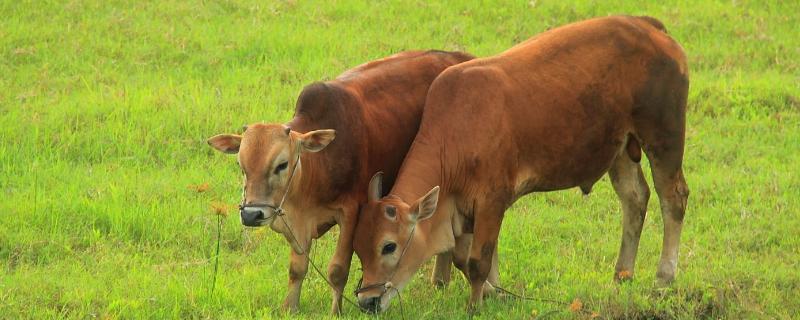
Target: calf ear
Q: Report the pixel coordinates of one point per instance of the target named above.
(375, 187)
(426, 206)
(317, 140)
(227, 143)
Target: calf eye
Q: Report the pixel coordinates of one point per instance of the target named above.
(281, 167)
(389, 248)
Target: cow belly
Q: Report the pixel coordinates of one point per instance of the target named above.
(581, 161)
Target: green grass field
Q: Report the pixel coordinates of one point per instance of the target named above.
(105, 107)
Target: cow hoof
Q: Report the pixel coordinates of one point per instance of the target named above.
(665, 275)
(291, 309)
(623, 276)
(664, 280)
(473, 309)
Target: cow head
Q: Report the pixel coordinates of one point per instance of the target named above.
(388, 243)
(267, 155)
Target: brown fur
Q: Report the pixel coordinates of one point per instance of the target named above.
(375, 110)
(551, 113)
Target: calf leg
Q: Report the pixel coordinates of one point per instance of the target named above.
(339, 267)
(494, 273)
(662, 131)
(631, 188)
(460, 257)
(298, 267)
(461, 253)
(484, 244)
(665, 151)
(672, 194)
(663, 144)
(441, 272)
(660, 122)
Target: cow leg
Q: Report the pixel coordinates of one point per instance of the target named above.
(494, 273)
(662, 132)
(660, 123)
(663, 144)
(631, 188)
(484, 243)
(339, 267)
(441, 272)
(461, 256)
(461, 253)
(672, 194)
(298, 267)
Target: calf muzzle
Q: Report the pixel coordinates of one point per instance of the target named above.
(371, 304)
(253, 216)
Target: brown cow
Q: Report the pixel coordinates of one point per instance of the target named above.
(374, 112)
(555, 112)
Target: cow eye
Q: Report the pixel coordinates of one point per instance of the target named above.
(281, 167)
(389, 248)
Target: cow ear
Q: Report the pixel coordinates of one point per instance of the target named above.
(375, 189)
(316, 140)
(426, 206)
(227, 143)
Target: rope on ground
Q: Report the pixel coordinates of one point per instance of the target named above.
(566, 304)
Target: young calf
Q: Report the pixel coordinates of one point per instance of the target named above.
(555, 112)
(373, 111)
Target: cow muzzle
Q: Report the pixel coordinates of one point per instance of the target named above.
(255, 215)
(375, 298)
(370, 304)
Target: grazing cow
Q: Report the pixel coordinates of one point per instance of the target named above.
(554, 112)
(373, 111)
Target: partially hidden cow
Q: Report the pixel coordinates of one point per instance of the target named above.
(365, 120)
(554, 112)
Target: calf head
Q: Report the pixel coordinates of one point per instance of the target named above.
(388, 244)
(268, 155)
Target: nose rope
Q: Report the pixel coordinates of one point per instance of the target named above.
(386, 286)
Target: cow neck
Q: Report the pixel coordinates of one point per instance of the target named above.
(307, 189)
(423, 169)
(303, 188)
(420, 172)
